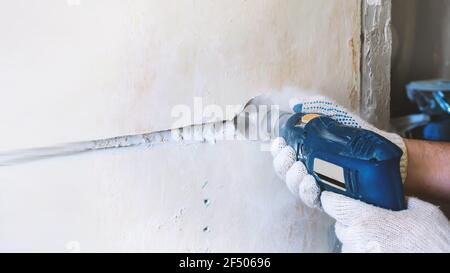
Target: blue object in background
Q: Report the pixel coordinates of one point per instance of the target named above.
(432, 98)
(437, 131)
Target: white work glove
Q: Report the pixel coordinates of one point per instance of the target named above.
(362, 227)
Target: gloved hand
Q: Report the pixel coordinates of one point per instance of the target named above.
(365, 228)
(294, 173)
(362, 227)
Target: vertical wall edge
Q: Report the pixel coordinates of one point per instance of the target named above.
(376, 54)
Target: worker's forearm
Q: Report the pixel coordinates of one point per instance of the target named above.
(428, 170)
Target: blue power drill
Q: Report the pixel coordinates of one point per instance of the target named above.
(351, 161)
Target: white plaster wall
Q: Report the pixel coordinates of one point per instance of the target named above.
(153, 200)
(76, 70)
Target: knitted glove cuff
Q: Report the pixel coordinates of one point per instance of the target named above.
(398, 140)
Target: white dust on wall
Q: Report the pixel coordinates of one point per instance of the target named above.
(112, 67)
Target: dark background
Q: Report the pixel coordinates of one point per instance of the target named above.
(421, 47)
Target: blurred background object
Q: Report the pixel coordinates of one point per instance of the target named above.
(421, 48)
(433, 120)
(421, 53)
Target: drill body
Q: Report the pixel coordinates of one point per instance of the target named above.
(351, 161)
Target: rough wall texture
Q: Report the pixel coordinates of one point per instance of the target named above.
(376, 62)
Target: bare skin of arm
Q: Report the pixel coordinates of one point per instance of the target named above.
(428, 170)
